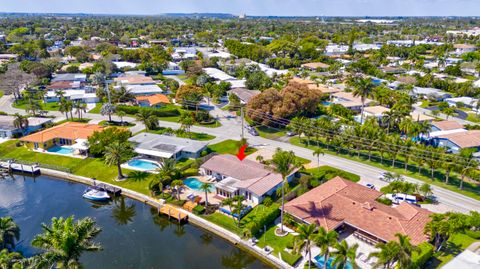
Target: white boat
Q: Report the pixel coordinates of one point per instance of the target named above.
(95, 194)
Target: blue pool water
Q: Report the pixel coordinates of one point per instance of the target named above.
(195, 184)
(320, 262)
(142, 164)
(61, 150)
(326, 103)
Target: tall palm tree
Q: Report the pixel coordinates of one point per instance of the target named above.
(467, 165)
(343, 254)
(186, 121)
(177, 184)
(317, 152)
(324, 240)
(121, 114)
(108, 109)
(64, 107)
(206, 187)
(116, 153)
(10, 259)
(20, 122)
(386, 255)
(79, 108)
(167, 170)
(306, 233)
(9, 233)
(64, 241)
(285, 162)
(405, 250)
(363, 87)
(147, 118)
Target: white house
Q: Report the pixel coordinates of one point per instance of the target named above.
(8, 129)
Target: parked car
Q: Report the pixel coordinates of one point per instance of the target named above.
(253, 132)
(290, 133)
(370, 186)
(401, 197)
(382, 176)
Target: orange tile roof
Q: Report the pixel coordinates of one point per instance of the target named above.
(154, 99)
(68, 130)
(340, 201)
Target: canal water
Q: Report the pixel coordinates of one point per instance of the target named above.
(133, 235)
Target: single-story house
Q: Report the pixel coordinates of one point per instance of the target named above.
(247, 178)
(464, 48)
(446, 125)
(219, 75)
(8, 129)
(340, 203)
(349, 101)
(372, 111)
(325, 89)
(457, 140)
(64, 85)
(134, 80)
(121, 65)
(244, 94)
(84, 96)
(437, 94)
(173, 69)
(70, 77)
(144, 89)
(72, 134)
(156, 100)
(465, 100)
(393, 70)
(157, 147)
(315, 66)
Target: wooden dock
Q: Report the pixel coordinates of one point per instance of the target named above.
(13, 166)
(172, 212)
(108, 188)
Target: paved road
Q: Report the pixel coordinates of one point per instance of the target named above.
(231, 129)
(421, 110)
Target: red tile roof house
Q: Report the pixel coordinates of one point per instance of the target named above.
(340, 203)
(246, 178)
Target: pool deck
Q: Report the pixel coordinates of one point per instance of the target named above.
(60, 154)
(194, 219)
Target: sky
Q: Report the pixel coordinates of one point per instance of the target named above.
(251, 7)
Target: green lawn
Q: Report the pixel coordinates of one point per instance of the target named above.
(96, 109)
(279, 244)
(229, 147)
(473, 118)
(22, 104)
(327, 172)
(224, 221)
(192, 135)
(470, 190)
(455, 245)
(269, 132)
(90, 167)
(1, 93)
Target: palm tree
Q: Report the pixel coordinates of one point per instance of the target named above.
(122, 213)
(324, 240)
(147, 118)
(9, 233)
(186, 121)
(285, 162)
(177, 184)
(344, 254)
(33, 106)
(79, 108)
(405, 250)
(206, 187)
(467, 165)
(10, 259)
(317, 152)
(20, 122)
(108, 109)
(65, 240)
(167, 170)
(121, 114)
(238, 207)
(116, 153)
(228, 202)
(306, 233)
(363, 87)
(64, 107)
(387, 254)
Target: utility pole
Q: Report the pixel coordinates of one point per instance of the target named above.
(243, 127)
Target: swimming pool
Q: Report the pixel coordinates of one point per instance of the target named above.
(195, 184)
(326, 103)
(61, 150)
(319, 262)
(143, 164)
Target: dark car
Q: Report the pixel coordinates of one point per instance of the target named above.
(253, 132)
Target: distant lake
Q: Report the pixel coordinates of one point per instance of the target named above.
(133, 235)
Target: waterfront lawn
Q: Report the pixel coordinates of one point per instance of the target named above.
(279, 244)
(455, 245)
(224, 221)
(229, 147)
(469, 189)
(90, 167)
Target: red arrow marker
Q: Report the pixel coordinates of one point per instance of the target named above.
(241, 152)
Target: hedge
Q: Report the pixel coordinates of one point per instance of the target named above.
(198, 209)
(384, 201)
(262, 218)
(421, 257)
(166, 111)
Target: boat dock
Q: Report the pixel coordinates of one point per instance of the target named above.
(13, 166)
(109, 188)
(172, 212)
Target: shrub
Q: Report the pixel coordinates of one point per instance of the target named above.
(267, 201)
(166, 111)
(423, 255)
(473, 234)
(262, 218)
(289, 258)
(384, 201)
(198, 210)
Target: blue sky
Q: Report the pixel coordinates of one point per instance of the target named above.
(253, 7)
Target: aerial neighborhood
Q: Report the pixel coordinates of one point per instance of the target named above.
(335, 142)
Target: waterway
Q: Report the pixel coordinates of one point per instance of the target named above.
(133, 235)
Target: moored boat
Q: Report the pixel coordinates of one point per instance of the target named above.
(95, 194)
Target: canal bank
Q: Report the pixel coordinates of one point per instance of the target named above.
(193, 219)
